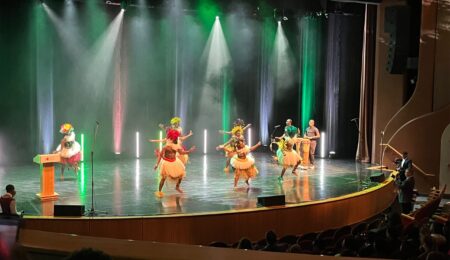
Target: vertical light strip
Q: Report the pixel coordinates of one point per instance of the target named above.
(160, 138)
(322, 145)
(205, 140)
(137, 145)
(205, 170)
(249, 137)
(138, 175)
(82, 147)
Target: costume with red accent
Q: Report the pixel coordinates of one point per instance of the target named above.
(169, 163)
(69, 149)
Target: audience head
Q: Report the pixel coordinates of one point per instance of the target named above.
(10, 189)
(88, 254)
(311, 123)
(271, 237)
(245, 243)
(405, 155)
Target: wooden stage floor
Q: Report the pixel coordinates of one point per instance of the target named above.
(126, 187)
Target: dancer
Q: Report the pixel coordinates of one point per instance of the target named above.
(69, 149)
(244, 163)
(230, 146)
(238, 122)
(175, 125)
(170, 166)
(286, 156)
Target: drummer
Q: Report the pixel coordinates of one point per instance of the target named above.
(296, 138)
(313, 134)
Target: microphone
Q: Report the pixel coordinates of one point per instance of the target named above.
(276, 126)
(354, 119)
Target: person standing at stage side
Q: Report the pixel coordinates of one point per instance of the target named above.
(243, 162)
(406, 191)
(312, 133)
(404, 165)
(170, 166)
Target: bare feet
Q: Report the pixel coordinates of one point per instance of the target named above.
(226, 169)
(159, 194)
(179, 189)
(294, 172)
(246, 182)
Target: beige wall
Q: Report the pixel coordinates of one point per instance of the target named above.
(444, 173)
(416, 127)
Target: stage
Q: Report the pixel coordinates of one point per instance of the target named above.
(125, 187)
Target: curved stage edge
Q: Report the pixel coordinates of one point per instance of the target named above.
(229, 226)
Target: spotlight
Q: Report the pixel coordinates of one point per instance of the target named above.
(279, 22)
(285, 18)
(217, 17)
(331, 154)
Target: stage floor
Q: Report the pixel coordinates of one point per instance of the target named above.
(126, 187)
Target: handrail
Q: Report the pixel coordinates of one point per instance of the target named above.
(415, 166)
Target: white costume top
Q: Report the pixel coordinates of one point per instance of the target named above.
(71, 148)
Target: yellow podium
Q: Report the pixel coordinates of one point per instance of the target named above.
(47, 161)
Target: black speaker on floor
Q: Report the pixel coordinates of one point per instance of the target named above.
(274, 200)
(68, 210)
(378, 177)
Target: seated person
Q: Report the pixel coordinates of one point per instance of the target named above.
(7, 201)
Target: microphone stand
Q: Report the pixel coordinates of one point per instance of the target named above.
(381, 152)
(92, 212)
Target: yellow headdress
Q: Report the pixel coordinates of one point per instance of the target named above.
(237, 129)
(66, 128)
(175, 120)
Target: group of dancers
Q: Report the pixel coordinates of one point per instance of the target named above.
(173, 157)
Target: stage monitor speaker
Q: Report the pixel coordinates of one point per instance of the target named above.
(397, 24)
(274, 200)
(378, 177)
(68, 210)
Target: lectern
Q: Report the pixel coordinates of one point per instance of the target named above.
(47, 161)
